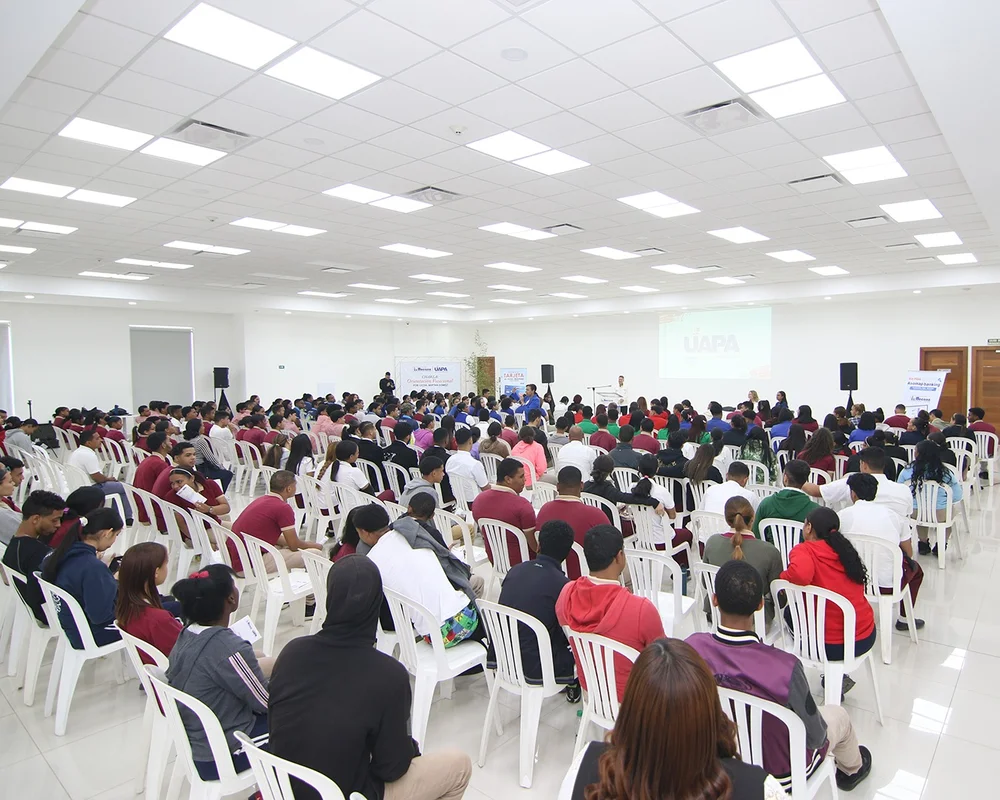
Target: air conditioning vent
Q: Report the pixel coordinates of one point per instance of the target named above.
(731, 115)
(433, 195)
(562, 230)
(817, 183)
(650, 251)
(868, 222)
(333, 268)
(921, 260)
(903, 246)
(205, 134)
(276, 276)
(710, 268)
(24, 234)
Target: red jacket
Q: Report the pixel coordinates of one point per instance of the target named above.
(157, 627)
(610, 610)
(815, 563)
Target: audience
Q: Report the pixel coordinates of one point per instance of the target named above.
(503, 502)
(300, 461)
(601, 485)
(576, 453)
(205, 459)
(431, 476)
(10, 517)
(399, 450)
(140, 610)
(928, 466)
(532, 452)
(602, 437)
(791, 502)
(569, 508)
(85, 458)
(872, 461)
(461, 464)
(716, 496)
(494, 445)
(40, 517)
(623, 453)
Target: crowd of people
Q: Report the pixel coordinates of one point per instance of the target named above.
(671, 738)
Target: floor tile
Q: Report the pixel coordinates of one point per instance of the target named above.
(961, 769)
(30, 779)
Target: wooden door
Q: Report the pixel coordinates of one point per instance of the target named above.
(986, 380)
(955, 394)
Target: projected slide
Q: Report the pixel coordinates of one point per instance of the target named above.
(728, 343)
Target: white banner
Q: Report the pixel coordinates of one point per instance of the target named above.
(922, 390)
(513, 379)
(432, 376)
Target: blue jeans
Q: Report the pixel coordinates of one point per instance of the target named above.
(223, 476)
(114, 487)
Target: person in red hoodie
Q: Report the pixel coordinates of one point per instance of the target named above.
(139, 610)
(599, 604)
(826, 558)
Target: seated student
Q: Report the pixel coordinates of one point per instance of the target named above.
(300, 461)
(431, 475)
(818, 451)
(958, 428)
(211, 663)
(141, 433)
(278, 451)
(601, 437)
(190, 490)
(716, 421)
(887, 443)
(805, 419)
(737, 477)
(588, 422)
(928, 466)
(899, 419)
(503, 502)
(646, 440)
(671, 457)
(737, 433)
(623, 454)
(19, 435)
(80, 503)
(795, 440)
(739, 544)
(872, 461)
(343, 470)
(563, 424)
(493, 443)
(335, 686)
(462, 465)
(757, 448)
(569, 508)
(417, 573)
(702, 467)
(40, 517)
(509, 432)
(977, 422)
(10, 515)
(85, 458)
(75, 566)
(600, 604)
(741, 661)
(781, 427)
(205, 460)
(140, 610)
(600, 484)
(576, 453)
(916, 431)
(348, 541)
(534, 587)
(399, 450)
(647, 487)
(531, 451)
(791, 502)
(865, 427)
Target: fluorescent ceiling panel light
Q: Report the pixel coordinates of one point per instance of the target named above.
(647, 200)
(359, 194)
(504, 265)
(946, 239)
(44, 227)
(404, 205)
(913, 211)
(769, 66)
(725, 281)
(322, 74)
(423, 276)
(325, 294)
(447, 294)
(456, 305)
(396, 301)
(277, 276)
(672, 210)
(739, 235)
(102, 198)
(116, 275)
(413, 250)
(206, 248)
(798, 97)
(508, 301)
(611, 252)
(883, 172)
(377, 286)
(866, 166)
(299, 230)
(552, 162)
(141, 262)
(791, 256)
(506, 228)
(10, 248)
(568, 295)
(227, 37)
(675, 269)
(86, 130)
(36, 187)
(640, 289)
(3, 264)
(173, 150)
(957, 258)
(257, 224)
(506, 287)
(508, 146)
(533, 235)
(583, 279)
(828, 271)
(11, 223)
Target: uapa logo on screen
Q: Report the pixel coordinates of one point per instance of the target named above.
(711, 344)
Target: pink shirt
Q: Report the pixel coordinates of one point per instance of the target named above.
(323, 424)
(535, 454)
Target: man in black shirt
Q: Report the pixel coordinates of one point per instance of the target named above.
(387, 385)
(399, 451)
(41, 514)
(958, 428)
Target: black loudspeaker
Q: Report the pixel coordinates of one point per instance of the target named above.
(548, 373)
(222, 377)
(848, 377)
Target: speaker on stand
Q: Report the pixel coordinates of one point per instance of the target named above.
(849, 381)
(220, 377)
(548, 376)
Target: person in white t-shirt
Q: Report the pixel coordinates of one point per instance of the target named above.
(221, 429)
(343, 470)
(575, 453)
(646, 486)
(717, 494)
(465, 466)
(837, 494)
(872, 518)
(85, 458)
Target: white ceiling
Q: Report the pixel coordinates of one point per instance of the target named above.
(606, 81)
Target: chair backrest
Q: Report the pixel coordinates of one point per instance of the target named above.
(490, 463)
(821, 476)
(75, 477)
(698, 489)
(395, 510)
(763, 490)
(759, 473)
(987, 443)
(56, 599)
(646, 568)
(463, 488)
(625, 478)
(776, 442)
(679, 489)
(857, 447)
(731, 452)
(705, 574)
(503, 624)
(595, 658)
(14, 581)
(403, 609)
(644, 521)
(529, 469)
(274, 775)
(879, 557)
(783, 533)
(496, 533)
(962, 443)
(370, 468)
(706, 523)
(246, 565)
(257, 549)
(840, 466)
(927, 503)
(807, 606)
(397, 476)
(597, 449)
(541, 493)
(605, 505)
(318, 568)
(575, 564)
(134, 646)
(554, 451)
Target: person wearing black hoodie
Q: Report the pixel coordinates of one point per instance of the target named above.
(339, 706)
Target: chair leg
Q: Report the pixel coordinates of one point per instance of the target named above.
(491, 711)
(531, 712)
(255, 606)
(298, 608)
(447, 688)
(6, 627)
(878, 697)
(423, 695)
(146, 745)
(54, 673)
(36, 651)
(885, 615)
(834, 683)
(272, 610)
(159, 754)
(17, 637)
(69, 675)
(581, 734)
(910, 619)
(176, 780)
(942, 539)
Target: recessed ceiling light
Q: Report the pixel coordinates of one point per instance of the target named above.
(456, 305)
(827, 298)
(227, 37)
(129, 276)
(173, 150)
(568, 295)
(131, 302)
(866, 166)
(957, 258)
(299, 230)
(322, 74)
(44, 227)
(791, 256)
(640, 290)
(514, 53)
(395, 300)
(413, 250)
(517, 231)
(739, 235)
(288, 312)
(257, 224)
(325, 294)
(9, 248)
(359, 194)
(11, 223)
(102, 198)
(725, 280)
(376, 286)
(29, 297)
(508, 301)
(447, 294)
(611, 252)
(552, 162)
(141, 262)
(583, 279)
(506, 287)
(86, 130)
(798, 97)
(402, 204)
(672, 210)
(423, 276)
(829, 271)
(36, 187)
(508, 146)
(916, 291)
(675, 269)
(206, 248)
(913, 211)
(647, 200)
(946, 239)
(512, 267)
(769, 66)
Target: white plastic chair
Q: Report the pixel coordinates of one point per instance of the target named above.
(705, 524)
(625, 478)
(819, 476)
(397, 477)
(529, 470)
(986, 443)
(698, 489)
(470, 553)
(704, 575)
(576, 551)
(758, 472)
(679, 491)
(605, 505)
(595, 662)
(26, 627)
(229, 781)
(876, 553)
(644, 520)
(318, 569)
(496, 532)
(646, 568)
(542, 493)
(287, 586)
(374, 474)
(748, 711)
(840, 466)
(273, 775)
(763, 490)
(502, 624)
(155, 738)
(249, 578)
(807, 638)
(69, 661)
(430, 664)
(490, 463)
(926, 497)
(783, 534)
(857, 447)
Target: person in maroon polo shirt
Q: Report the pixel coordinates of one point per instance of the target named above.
(150, 468)
(503, 502)
(646, 440)
(569, 508)
(603, 438)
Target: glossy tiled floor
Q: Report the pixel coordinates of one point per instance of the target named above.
(940, 698)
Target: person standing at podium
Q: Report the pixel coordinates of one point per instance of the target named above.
(622, 391)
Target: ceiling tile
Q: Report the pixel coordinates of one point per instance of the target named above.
(852, 41)
(756, 137)
(893, 105)
(788, 153)
(277, 153)
(426, 174)
(637, 165)
(488, 47)
(731, 27)
(450, 78)
(151, 18)
(843, 142)
(921, 148)
(620, 111)
(297, 19)
(129, 115)
(103, 40)
(692, 152)
(175, 63)
(50, 96)
(315, 140)
(586, 25)
(396, 102)
(245, 119)
(134, 87)
(341, 118)
(66, 166)
(458, 125)
(572, 84)
(645, 57)
(278, 97)
(841, 117)
(411, 142)
(696, 88)
(511, 106)
(806, 15)
(919, 126)
(602, 149)
(666, 10)
(70, 69)
(83, 151)
(351, 40)
(445, 22)
(560, 130)
(368, 155)
(878, 76)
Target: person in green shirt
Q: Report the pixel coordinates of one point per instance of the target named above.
(613, 427)
(587, 426)
(791, 502)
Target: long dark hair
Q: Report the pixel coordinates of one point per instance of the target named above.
(193, 429)
(927, 465)
(805, 415)
(350, 533)
(137, 581)
(272, 458)
(697, 428)
(102, 519)
(343, 452)
(697, 468)
(301, 448)
(602, 468)
(830, 423)
(819, 446)
(796, 439)
(739, 516)
(826, 525)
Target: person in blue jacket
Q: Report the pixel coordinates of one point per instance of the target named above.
(531, 400)
(75, 566)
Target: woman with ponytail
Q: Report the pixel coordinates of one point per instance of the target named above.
(739, 543)
(75, 567)
(827, 559)
(140, 610)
